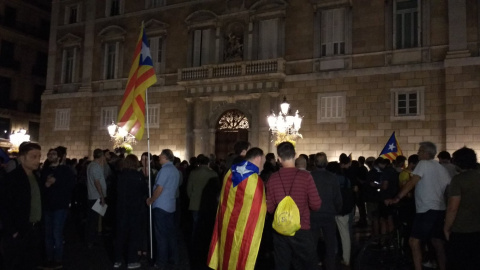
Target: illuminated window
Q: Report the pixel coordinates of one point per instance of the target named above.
(233, 119)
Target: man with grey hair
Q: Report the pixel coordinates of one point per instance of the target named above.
(163, 203)
(430, 179)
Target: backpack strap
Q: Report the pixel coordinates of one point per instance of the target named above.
(283, 186)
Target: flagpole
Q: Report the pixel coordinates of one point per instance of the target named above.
(149, 174)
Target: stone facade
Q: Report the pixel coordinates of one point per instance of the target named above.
(371, 70)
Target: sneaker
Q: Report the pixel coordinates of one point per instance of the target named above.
(117, 265)
(430, 264)
(134, 265)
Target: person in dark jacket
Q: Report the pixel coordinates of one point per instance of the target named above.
(323, 220)
(21, 211)
(58, 181)
(131, 192)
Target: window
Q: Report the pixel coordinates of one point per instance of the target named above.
(62, 119)
(154, 115)
(7, 55)
(157, 3)
(331, 107)
(109, 115)
(406, 24)
(40, 66)
(72, 14)
(333, 32)
(68, 64)
(157, 52)
(407, 103)
(5, 93)
(268, 39)
(203, 47)
(114, 8)
(110, 60)
(4, 128)
(10, 19)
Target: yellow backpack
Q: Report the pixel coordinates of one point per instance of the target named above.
(286, 220)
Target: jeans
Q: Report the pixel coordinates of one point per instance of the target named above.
(327, 227)
(91, 228)
(297, 250)
(166, 236)
(54, 224)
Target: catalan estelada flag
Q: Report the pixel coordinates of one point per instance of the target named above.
(142, 75)
(392, 149)
(240, 219)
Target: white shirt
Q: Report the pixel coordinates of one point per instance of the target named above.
(429, 191)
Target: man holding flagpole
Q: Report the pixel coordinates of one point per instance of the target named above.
(134, 108)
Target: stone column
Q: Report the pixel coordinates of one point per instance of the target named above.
(52, 49)
(199, 131)
(211, 143)
(189, 136)
(263, 128)
(457, 29)
(88, 46)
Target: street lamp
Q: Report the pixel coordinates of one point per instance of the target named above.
(285, 126)
(17, 138)
(120, 136)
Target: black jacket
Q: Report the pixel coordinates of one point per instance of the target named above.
(15, 202)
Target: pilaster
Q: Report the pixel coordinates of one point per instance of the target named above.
(52, 48)
(88, 46)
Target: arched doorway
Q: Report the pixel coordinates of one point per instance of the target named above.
(232, 126)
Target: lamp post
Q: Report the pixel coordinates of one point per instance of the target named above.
(284, 126)
(120, 137)
(17, 138)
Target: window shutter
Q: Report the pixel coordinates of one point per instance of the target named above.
(117, 60)
(197, 43)
(206, 45)
(268, 39)
(64, 65)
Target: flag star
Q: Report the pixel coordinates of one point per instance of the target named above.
(243, 169)
(391, 147)
(145, 53)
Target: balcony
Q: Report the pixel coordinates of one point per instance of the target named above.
(239, 78)
(232, 70)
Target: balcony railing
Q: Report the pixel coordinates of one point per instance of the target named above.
(232, 70)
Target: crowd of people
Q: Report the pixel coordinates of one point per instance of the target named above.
(224, 208)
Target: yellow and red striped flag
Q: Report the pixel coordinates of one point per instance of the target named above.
(392, 149)
(240, 219)
(142, 75)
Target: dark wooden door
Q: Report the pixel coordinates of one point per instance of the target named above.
(225, 139)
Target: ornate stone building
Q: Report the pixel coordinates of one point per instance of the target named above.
(356, 71)
(24, 31)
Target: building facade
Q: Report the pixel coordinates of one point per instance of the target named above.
(355, 70)
(24, 32)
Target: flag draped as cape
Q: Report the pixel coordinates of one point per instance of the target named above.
(240, 219)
